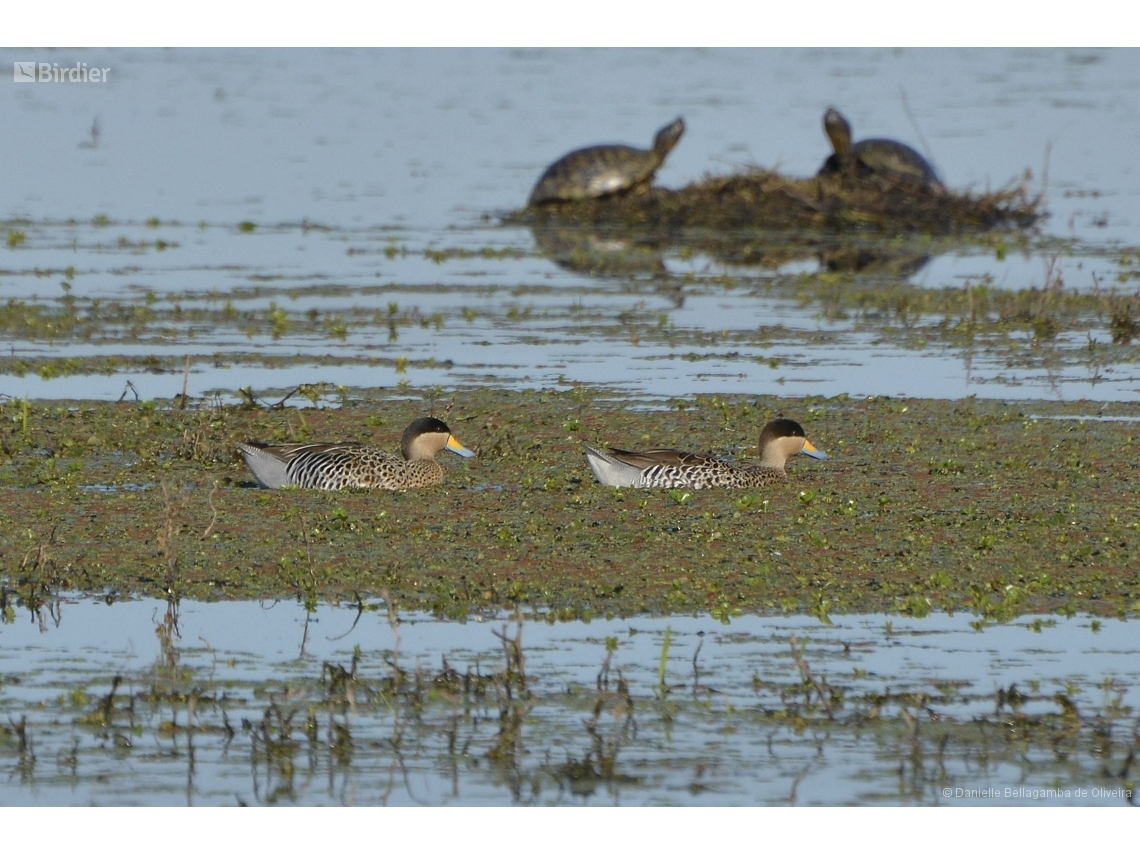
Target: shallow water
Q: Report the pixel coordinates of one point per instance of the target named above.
(357, 168)
(225, 703)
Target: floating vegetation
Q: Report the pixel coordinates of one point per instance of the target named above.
(438, 256)
(765, 200)
(115, 312)
(924, 507)
(862, 289)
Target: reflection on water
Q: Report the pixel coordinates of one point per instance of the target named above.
(597, 252)
(869, 260)
(241, 703)
(629, 253)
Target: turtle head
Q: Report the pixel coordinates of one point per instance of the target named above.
(667, 137)
(838, 131)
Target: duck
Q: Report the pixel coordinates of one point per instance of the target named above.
(667, 467)
(339, 465)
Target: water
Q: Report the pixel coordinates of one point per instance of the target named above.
(357, 166)
(227, 703)
(432, 138)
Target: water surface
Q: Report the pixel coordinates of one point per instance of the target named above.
(373, 182)
(245, 702)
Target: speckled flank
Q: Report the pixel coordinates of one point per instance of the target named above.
(667, 468)
(691, 471)
(337, 466)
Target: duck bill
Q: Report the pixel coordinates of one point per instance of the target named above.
(811, 451)
(454, 445)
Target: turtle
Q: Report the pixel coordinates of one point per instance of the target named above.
(601, 170)
(874, 156)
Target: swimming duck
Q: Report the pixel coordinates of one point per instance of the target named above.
(335, 466)
(665, 467)
(874, 156)
(600, 170)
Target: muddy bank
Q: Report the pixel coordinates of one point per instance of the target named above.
(924, 505)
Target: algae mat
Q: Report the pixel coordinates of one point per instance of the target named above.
(994, 508)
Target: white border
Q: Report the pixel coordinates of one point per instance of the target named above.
(603, 23)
